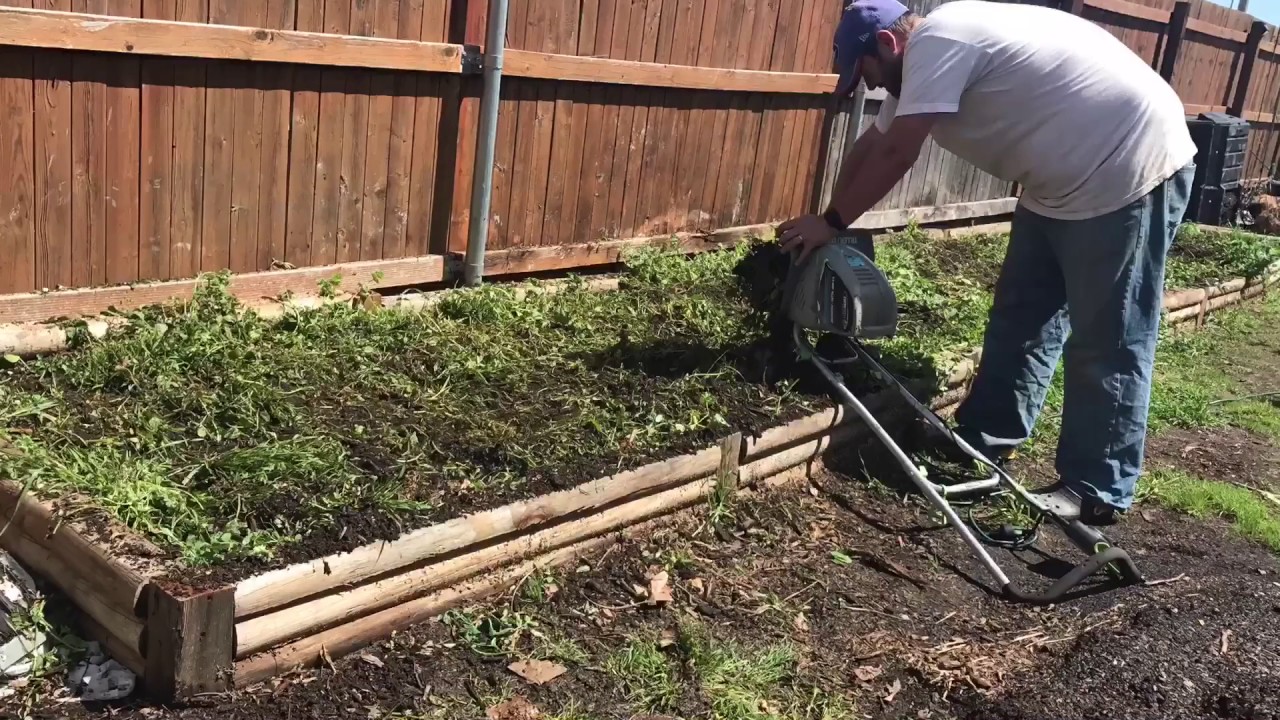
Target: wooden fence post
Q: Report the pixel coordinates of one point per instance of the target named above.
(1251, 46)
(190, 642)
(1173, 38)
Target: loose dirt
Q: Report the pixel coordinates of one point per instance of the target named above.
(1228, 454)
(880, 605)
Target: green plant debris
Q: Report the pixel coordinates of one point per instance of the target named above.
(1202, 257)
(738, 683)
(1250, 514)
(229, 438)
(497, 634)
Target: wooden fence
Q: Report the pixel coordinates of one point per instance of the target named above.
(180, 136)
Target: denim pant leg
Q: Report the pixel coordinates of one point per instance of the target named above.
(1114, 270)
(1023, 341)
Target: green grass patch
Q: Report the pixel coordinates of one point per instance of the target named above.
(1249, 513)
(647, 675)
(735, 681)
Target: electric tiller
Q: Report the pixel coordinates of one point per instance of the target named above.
(838, 292)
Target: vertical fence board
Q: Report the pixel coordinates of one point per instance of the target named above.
(54, 179)
(17, 180)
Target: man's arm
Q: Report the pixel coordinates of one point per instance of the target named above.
(868, 177)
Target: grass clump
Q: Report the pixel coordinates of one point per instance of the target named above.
(647, 675)
(1249, 513)
(740, 684)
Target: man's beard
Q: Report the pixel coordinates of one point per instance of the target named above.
(893, 77)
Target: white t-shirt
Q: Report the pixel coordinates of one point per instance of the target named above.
(1045, 99)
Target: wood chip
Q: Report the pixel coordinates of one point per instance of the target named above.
(370, 659)
(659, 589)
(1166, 581)
(326, 658)
(1222, 647)
(894, 689)
(517, 708)
(698, 586)
(537, 672)
(801, 623)
(867, 673)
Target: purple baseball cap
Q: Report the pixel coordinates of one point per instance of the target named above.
(856, 37)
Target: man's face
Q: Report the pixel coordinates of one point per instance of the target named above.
(884, 69)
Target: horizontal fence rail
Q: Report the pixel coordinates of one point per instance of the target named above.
(153, 141)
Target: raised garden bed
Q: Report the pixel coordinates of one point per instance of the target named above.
(231, 497)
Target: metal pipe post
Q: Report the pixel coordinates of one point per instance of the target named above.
(482, 183)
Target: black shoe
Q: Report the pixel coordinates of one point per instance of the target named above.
(1095, 513)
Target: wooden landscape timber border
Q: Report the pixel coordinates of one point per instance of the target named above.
(183, 644)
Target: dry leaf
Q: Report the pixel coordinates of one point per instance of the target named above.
(639, 591)
(326, 658)
(698, 586)
(867, 673)
(801, 623)
(667, 638)
(517, 708)
(659, 589)
(894, 689)
(372, 660)
(537, 672)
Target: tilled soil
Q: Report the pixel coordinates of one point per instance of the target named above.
(1228, 454)
(883, 608)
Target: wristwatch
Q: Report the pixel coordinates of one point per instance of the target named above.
(833, 219)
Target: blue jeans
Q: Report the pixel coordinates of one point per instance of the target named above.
(1092, 288)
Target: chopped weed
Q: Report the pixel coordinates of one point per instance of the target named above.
(230, 438)
(1249, 513)
(497, 634)
(560, 649)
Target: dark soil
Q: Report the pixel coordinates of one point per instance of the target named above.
(911, 628)
(1229, 454)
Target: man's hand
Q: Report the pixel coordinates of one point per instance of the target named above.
(806, 234)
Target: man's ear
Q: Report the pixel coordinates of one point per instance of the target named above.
(889, 41)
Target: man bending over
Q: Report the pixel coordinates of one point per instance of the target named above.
(1099, 144)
